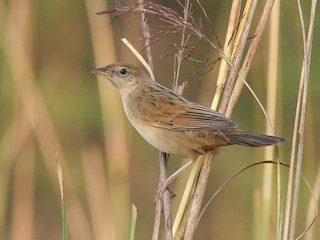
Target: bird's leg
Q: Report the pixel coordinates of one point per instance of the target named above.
(173, 176)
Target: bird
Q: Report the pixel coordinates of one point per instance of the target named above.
(171, 123)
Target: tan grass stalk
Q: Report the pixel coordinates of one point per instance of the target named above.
(78, 224)
(198, 195)
(272, 77)
(22, 202)
(134, 216)
(241, 29)
(63, 208)
(139, 57)
(98, 194)
(227, 49)
(163, 158)
(314, 165)
(146, 34)
(249, 56)
(290, 213)
(292, 164)
(114, 123)
(305, 71)
(233, 74)
(185, 200)
(11, 145)
(178, 58)
(312, 207)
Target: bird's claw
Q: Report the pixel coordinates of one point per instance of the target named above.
(160, 191)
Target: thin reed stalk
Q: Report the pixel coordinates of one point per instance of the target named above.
(299, 128)
(117, 153)
(272, 82)
(305, 71)
(311, 153)
(23, 208)
(98, 194)
(250, 56)
(239, 50)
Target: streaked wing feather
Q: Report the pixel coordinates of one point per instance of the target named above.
(185, 115)
(201, 118)
(173, 112)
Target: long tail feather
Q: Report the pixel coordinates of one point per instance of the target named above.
(253, 139)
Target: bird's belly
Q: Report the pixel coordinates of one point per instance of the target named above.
(157, 137)
(170, 141)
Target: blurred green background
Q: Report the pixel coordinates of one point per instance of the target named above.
(52, 109)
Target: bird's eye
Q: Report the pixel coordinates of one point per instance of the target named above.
(123, 71)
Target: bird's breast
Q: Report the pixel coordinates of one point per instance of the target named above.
(151, 134)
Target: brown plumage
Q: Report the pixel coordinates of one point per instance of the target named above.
(171, 123)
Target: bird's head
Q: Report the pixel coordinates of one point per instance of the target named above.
(125, 76)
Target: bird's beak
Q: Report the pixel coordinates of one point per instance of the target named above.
(99, 71)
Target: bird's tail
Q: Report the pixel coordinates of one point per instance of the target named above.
(253, 139)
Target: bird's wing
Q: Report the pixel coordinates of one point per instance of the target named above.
(176, 113)
(201, 118)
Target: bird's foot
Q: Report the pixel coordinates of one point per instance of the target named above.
(160, 191)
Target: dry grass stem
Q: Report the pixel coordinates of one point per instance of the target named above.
(11, 146)
(312, 207)
(146, 34)
(22, 201)
(240, 28)
(305, 71)
(157, 219)
(139, 56)
(272, 78)
(63, 208)
(60, 177)
(237, 60)
(290, 214)
(249, 56)
(227, 49)
(98, 194)
(292, 164)
(178, 59)
(115, 134)
(180, 224)
(198, 196)
(163, 158)
(134, 216)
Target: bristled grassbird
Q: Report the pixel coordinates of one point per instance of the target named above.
(171, 123)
